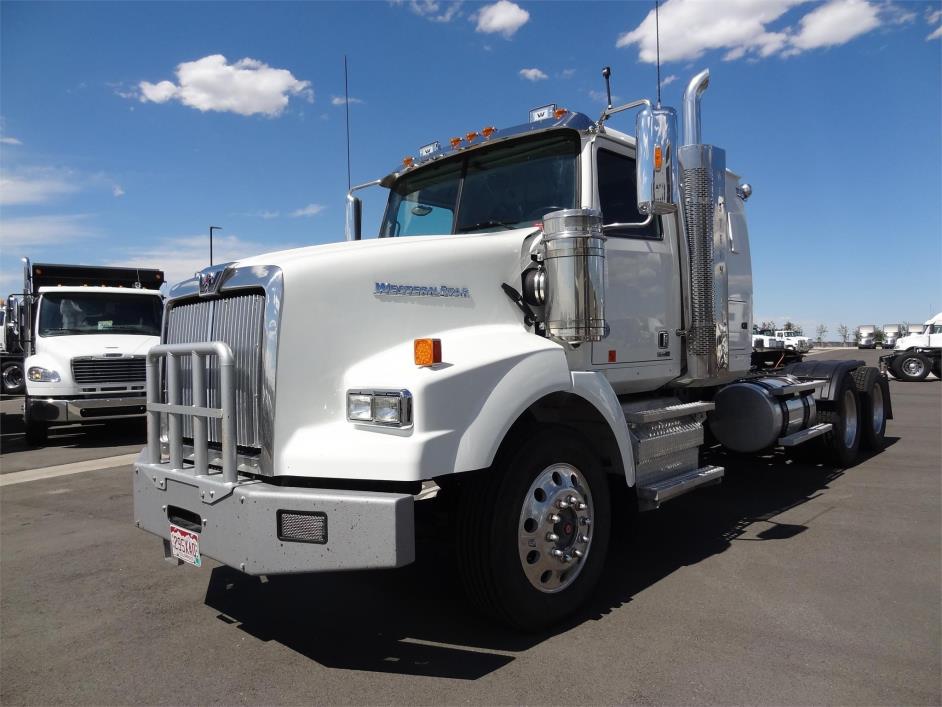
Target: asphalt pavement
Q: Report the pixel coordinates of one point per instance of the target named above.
(787, 584)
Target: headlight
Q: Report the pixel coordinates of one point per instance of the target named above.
(390, 408)
(42, 375)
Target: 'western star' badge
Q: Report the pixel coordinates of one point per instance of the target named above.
(389, 289)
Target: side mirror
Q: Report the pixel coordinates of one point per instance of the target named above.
(656, 131)
(354, 218)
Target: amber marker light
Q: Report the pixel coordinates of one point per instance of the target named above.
(658, 158)
(455, 143)
(488, 131)
(559, 113)
(470, 136)
(407, 162)
(428, 352)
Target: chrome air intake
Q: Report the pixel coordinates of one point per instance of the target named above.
(574, 263)
(703, 189)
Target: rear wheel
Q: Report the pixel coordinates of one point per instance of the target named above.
(843, 441)
(533, 531)
(874, 394)
(911, 366)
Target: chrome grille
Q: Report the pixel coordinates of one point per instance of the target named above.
(108, 370)
(238, 322)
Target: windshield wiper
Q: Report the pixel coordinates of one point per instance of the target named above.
(486, 224)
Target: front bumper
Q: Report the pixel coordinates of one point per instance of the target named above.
(240, 521)
(84, 409)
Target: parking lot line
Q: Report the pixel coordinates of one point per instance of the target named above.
(50, 472)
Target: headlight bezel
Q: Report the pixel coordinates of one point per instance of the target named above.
(38, 374)
(397, 401)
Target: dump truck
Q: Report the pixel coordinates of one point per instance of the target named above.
(553, 326)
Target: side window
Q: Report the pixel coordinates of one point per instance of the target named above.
(618, 196)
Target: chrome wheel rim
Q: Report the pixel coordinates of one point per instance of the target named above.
(876, 400)
(850, 419)
(913, 366)
(554, 533)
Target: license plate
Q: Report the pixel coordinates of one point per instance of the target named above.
(185, 545)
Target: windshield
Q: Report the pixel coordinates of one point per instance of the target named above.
(71, 313)
(510, 185)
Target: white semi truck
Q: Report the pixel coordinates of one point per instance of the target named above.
(84, 333)
(891, 332)
(550, 311)
(918, 353)
(866, 336)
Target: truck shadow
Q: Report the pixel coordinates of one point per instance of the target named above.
(415, 620)
(105, 434)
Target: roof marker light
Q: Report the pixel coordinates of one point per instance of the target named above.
(488, 131)
(455, 143)
(470, 137)
(407, 162)
(559, 113)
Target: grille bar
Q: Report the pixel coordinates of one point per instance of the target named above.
(109, 370)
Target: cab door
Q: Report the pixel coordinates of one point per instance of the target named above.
(642, 303)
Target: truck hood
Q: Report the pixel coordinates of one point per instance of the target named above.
(908, 342)
(68, 347)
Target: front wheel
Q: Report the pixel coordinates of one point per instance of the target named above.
(533, 531)
(911, 367)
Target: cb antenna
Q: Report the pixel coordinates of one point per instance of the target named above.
(346, 104)
(657, 43)
(607, 74)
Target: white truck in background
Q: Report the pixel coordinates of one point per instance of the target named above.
(891, 332)
(85, 332)
(551, 312)
(866, 336)
(918, 353)
(793, 341)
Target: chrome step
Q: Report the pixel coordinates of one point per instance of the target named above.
(671, 412)
(804, 435)
(653, 494)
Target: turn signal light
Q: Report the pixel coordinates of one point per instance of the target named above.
(455, 142)
(428, 352)
(658, 158)
(559, 113)
(488, 131)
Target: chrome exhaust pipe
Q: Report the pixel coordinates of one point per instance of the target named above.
(698, 84)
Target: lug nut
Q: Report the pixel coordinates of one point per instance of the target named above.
(562, 505)
(572, 500)
(583, 539)
(581, 506)
(578, 553)
(556, 552)
(552, 537)
(555, 518)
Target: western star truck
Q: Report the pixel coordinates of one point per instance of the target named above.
(85, 332)
(550, 312)
(918, 353)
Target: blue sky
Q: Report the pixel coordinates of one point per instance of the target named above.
(128, 128)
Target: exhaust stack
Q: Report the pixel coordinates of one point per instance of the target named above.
(703, 190)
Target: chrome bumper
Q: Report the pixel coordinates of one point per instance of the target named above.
(239, 523)
(85, 409)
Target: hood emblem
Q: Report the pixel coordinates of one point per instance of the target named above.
(209, 281)
(390, 289)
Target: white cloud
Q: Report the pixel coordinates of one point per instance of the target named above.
(10, 141)
(434, 10)
(33, 190)
(269, 215)
(933, 16)
(340, 100)
(668, 80)
(246, 87)
(33, 231)
(180, 257)
(836, 22)
(309, 210)
(567, 73)
(935, 35)
(503, 17)
(742, 28)
(533, 74)
(117, 190)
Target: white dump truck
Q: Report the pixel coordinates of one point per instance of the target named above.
(84, 333)
(918, 353)
(551, 311)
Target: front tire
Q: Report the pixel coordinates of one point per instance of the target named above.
(533, 531)
(911, 366)
(843, 441)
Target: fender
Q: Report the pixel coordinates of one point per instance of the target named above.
(595, 388)
(828, 370)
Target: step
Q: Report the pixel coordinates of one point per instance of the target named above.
(656, 493)
(641, 417)
(796, 388)
(804, 435)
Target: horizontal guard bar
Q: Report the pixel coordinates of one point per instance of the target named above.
(185, 410)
